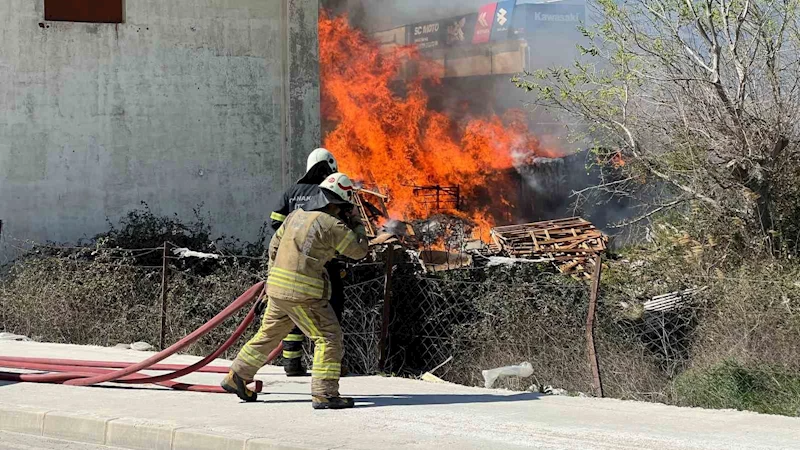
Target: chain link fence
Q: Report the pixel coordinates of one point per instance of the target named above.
(484, 323)
(732, 343)
(728, 345)
(361, 323)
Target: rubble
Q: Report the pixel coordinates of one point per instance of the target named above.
(439, 260)
(550, 390)
(431, 378)
(506, 261)
(444, 241)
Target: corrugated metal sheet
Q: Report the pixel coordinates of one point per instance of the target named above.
(671, 301)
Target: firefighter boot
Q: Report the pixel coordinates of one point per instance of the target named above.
(294, 368)
(331, 402)
(234, 384)
(293, 354)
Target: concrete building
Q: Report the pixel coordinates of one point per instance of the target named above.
(179, 104)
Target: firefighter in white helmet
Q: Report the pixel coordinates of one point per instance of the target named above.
(298, 290)
(320, 164)
(306, 194)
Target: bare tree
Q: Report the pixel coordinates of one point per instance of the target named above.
(700, 97)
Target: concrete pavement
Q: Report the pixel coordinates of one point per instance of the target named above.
(390, 413)
(14, 441)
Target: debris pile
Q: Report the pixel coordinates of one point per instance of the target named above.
(569, 243)
(443, 241)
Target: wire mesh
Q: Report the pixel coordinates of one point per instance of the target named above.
(487, 324)
(361, 324)
(732, 344)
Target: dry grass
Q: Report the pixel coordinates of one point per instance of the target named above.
(732, 346)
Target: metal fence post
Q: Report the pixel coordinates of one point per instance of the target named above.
(597, 384)
(163, 298)
(387, 303)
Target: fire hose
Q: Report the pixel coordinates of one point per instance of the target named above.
(86, 373)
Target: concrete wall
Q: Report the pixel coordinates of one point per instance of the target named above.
(186, 103)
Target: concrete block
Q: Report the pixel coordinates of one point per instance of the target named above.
(76, 427)
(189, 439)
(139, 434)
(269, 444)
(22, 420)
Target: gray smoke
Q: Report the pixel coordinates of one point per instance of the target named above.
(378, 15)
(395, 227)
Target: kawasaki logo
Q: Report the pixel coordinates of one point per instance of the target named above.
(556, 17)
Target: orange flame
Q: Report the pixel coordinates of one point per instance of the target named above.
(393, 141)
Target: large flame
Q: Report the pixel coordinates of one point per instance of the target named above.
(386, 136)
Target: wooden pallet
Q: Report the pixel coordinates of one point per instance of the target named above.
(569, 243)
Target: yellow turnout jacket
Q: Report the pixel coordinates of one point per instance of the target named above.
(300, 249)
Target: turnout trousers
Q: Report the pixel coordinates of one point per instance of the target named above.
(293, 343)
(316, 319)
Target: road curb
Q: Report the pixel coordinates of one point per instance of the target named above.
(125, 432)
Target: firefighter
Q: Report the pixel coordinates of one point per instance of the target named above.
(298, 290)
(306, 195)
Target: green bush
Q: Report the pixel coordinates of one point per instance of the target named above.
(731, 385)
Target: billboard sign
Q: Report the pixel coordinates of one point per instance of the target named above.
(426, 35)
(555, 15)
(530, 18)
(460, 29)
(483, 26)
(503, 17)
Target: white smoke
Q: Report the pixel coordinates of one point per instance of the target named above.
(533, 174)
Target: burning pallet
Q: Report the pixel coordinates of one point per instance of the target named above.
(569, 243)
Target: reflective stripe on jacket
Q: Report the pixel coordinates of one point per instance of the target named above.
(300, 249)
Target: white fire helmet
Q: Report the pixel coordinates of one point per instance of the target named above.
(319, 155)
(341, 185)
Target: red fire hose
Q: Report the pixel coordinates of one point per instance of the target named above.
(85, 373)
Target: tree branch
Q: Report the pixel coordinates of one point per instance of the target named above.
(599, 186)
(669, 205)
